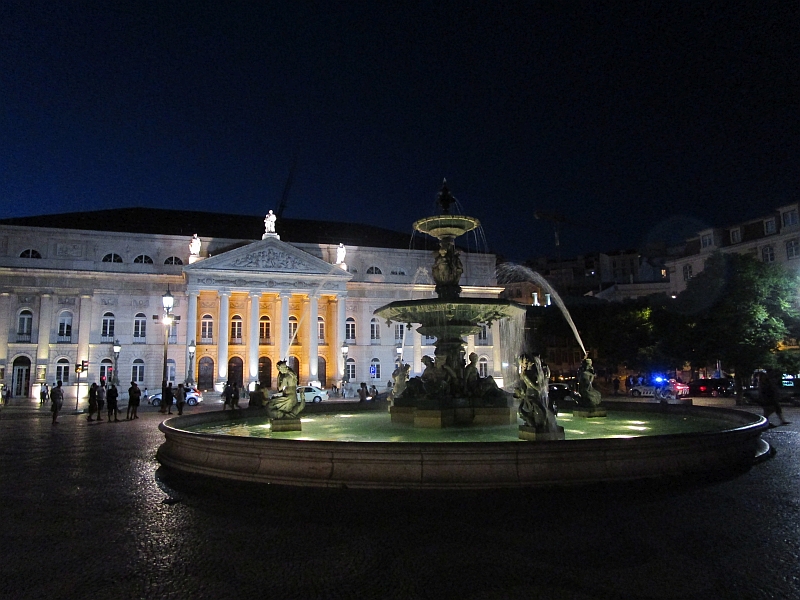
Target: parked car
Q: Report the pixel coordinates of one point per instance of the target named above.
(562, 396)
(712, 387)
(676, 387)
(311, 393)
(193, 397)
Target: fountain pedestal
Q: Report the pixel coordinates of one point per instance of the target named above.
(285, 425)
(529, 434)
(589, 413)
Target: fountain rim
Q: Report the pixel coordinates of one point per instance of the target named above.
(446, 226)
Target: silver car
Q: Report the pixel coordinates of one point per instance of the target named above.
(311, 393)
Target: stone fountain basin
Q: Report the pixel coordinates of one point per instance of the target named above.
(461, 316)
(465, 465)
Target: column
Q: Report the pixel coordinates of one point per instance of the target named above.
(283, 299)
(5, 329)
(253, 340)
(191, 329)
(45, 325)
(224, 332)
(341, 317)
(497, 356)
(417, 337)
(313, 338)
(84, 329)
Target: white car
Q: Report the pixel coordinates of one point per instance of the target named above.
(193, 397)
(311, 393)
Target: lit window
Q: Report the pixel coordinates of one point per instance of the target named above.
(106, 370)
(264, 330)
(143, 259)
(65, 327)
(293, 330)
(374, 330)
(62, 370)
(236, 328)
(107, 329)
(137, 371)
(350, 329)
(483, 366)
(173, 260)
(793, 248)
(207, 330)
(375, 369)
(139, 328)
(768, 254)
(112, 258)
(30, 253)
(320, 330)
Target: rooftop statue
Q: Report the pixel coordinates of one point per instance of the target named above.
(269, 225)
(194, 246)
(341, 251)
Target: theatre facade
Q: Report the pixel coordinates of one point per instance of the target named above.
(87, 288)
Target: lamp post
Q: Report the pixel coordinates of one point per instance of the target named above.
(345, 350)
(190, 377)
(167, 301)
(115, 375)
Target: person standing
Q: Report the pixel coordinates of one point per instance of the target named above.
(768, 398)
(101, 400)
(226, 394)
(166, 401)
(615, 384)
(44, 394)
(56, 401)
(180, 398)
(92, 401)
(134, 397)
(235, 396)
(363, 392)
(111, 396)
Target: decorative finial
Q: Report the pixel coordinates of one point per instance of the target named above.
(445, 198)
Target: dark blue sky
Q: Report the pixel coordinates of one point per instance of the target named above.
(630, 119)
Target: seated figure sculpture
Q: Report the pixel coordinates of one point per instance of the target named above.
(588, 396)
(284, 404)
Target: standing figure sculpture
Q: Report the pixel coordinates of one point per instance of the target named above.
(194, 246)
(446, 271)
(534, 407)
(284, 404)
(400, 379)
(589, 397)
(269, 225)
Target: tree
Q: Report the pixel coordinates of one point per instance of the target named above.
(737, 310)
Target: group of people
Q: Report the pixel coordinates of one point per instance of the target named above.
(170, 396)
(99, 398)
(230, 395)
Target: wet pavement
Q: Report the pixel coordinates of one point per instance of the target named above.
(87, 513)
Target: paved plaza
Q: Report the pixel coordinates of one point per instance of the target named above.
(87, 513)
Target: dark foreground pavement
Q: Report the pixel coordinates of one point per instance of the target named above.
(86, 513)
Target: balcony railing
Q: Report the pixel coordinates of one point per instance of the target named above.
(64, 339)
(207, 340)
(173, 339)
(106, 339)
(23, 338)
(236, 341)
(139, 340)
(265, 341)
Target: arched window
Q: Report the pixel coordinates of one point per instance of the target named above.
(374, 271)
(264, 330)
(25, 324)
(65, 328)
(293, 330)
(236, 329)
(112, 258)
(30, 253)
(107, 329)
(143, 259)
(375, 331)
(320, 330)
(137, 371)
(62, 370)
(173, 260)
(106, 370)
(687, 272)
(483, 366)
(207, 330)
(375, 369)
(350, 330)
(139, 329)
(768, 254)
(350, 369)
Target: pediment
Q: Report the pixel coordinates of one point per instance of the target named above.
(269, 255)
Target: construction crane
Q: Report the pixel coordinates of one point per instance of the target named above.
(287, 186)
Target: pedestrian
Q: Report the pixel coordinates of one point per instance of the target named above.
(234, 396)
(101, 399)
(56, 401)
(363, 392)
(615, 385)
(92, 401)
(134, 397)
(373, 391)
(166, 400)
(768, 398)
(44, 394)
(180, 398)
(226, 395)
(112, 396)
(145, 395)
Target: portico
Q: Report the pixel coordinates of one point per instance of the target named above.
(267, 301)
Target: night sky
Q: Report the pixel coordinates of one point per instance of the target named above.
(636, 121)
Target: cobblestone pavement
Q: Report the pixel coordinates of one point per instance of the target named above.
(86, 513)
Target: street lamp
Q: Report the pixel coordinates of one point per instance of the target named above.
(167, 302)
(190, 377)
(115, 375)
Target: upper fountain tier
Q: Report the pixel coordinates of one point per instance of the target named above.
(446, 227)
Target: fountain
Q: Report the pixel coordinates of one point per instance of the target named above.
(450, 391)
(452, 429)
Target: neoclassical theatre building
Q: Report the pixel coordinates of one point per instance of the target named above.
(247, 291)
